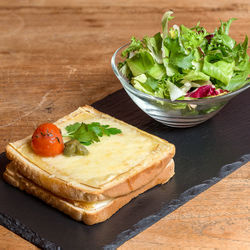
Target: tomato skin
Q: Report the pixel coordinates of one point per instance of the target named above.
(47, 140)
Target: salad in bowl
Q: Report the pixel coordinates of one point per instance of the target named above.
(183, 76)
(186, 63)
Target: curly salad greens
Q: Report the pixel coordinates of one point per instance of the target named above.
(185, 63)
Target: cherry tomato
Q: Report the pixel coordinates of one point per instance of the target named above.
(47, 140)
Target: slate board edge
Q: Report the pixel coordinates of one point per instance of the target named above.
(28, 234)
(174, 204)
(25, 232)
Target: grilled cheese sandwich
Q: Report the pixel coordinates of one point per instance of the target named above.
(117, 166)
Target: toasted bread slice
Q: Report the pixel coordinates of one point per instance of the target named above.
(88, 212)
(116, 166)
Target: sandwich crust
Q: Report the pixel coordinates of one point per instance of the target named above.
(88, 216)
(121, 185)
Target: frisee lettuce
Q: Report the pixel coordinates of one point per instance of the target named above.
(179, 60)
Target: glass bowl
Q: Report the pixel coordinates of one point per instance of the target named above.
(180, 114)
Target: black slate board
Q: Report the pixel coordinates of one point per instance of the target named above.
(205, 154)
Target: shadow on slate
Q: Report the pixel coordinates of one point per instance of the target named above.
(205, 154)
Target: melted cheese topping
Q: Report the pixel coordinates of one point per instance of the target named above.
(106, 160)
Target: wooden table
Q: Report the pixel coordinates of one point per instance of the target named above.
(55, 56)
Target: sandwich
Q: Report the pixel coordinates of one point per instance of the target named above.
(112, 162)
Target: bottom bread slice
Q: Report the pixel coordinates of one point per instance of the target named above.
(89, 213)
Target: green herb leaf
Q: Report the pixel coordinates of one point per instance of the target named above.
(73, 128)
(113, 131)
(87, 134)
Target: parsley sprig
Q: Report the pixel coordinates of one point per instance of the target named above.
(87, 134)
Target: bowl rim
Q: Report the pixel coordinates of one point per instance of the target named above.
(126, 84)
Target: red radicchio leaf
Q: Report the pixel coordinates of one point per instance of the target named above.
(204, 91)
(201, 51)
(209, 37)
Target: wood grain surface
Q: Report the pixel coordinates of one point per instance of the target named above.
(10, 241)
(55, 56)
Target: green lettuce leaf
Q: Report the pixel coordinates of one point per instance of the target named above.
(139, 83)
(174, 91)
(181, 60)
(239, 79)
(242, 58)
(224, 27)
(170, 69)
(135, 45)
(157, 71)
(220, 70)
(140, 63)
(191, 39)
(174, 45)
(164, 22)
(124, 69)
(148, 85)
(178, 56)
(195, 76)
(154, 45)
